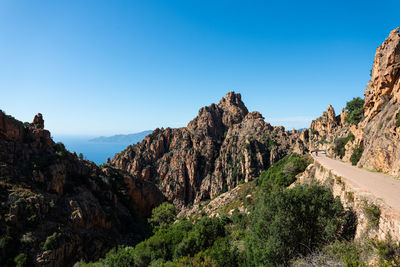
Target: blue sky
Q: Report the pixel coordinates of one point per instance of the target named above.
(104, 67)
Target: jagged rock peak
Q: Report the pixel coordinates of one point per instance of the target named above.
(38, 121)
(233, 107)
(331, 112)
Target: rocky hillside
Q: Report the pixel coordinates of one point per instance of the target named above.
(56, 208)
(377, 134)
(224, 145)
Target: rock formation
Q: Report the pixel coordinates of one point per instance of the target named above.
(381, 126)
(58, 209)
(222, 146)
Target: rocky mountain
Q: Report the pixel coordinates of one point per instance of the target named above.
(220, 148)
(378, 132)
(122, 138)
(56, 208)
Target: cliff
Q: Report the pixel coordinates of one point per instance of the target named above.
(56, 208)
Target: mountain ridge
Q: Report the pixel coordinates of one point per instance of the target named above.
(122, 138)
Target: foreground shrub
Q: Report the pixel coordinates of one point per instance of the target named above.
(289, 222)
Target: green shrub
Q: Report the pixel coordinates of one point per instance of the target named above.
(224, 252)
(20, 260)
(388, 252)
(52, 241)
(373, 214)
(283, 172)
(357, 153)
(340, 144)
(355, 109)
(60, 149)
(397, 122)
(199, 260)
(4, 241)
(290, 222)
(162, 216)
(348, 252)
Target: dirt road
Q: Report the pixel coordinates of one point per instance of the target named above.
(380, 185)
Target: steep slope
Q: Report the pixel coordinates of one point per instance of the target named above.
(381, 127)
(223, 145)
(57, 209)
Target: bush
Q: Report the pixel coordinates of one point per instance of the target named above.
(357, 153)
(355, 109)
(340, 144)
(224, 253)
(283, 172)
(4, 241)
(52, 241)
(388, 252)
(162, 216)
(373, 214)
(289, 222)
(397, 122)
(60, 149)
(199, 260)
(20, 260)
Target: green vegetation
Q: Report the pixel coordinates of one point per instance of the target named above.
(20, 260)
(357, 153)
(80, 156)
(4, 241)
(162, 216)
(287, 223)
(397, 122)
(284, 172)
(60, 150)
(52, 241)
(340, 144)
(373, 214)
(355, 109)
(26, 124)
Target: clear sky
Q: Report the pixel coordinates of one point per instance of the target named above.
(105, 67)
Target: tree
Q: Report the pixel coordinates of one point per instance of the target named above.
(355, 109)
(162, 216)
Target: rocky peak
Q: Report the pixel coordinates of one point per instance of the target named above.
(331, 113)
(233, 108)
(385, 83)
(38, 121)
(325, 124)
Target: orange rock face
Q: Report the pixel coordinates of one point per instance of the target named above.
(382, 104)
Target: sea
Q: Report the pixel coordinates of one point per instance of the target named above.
(98, 152)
